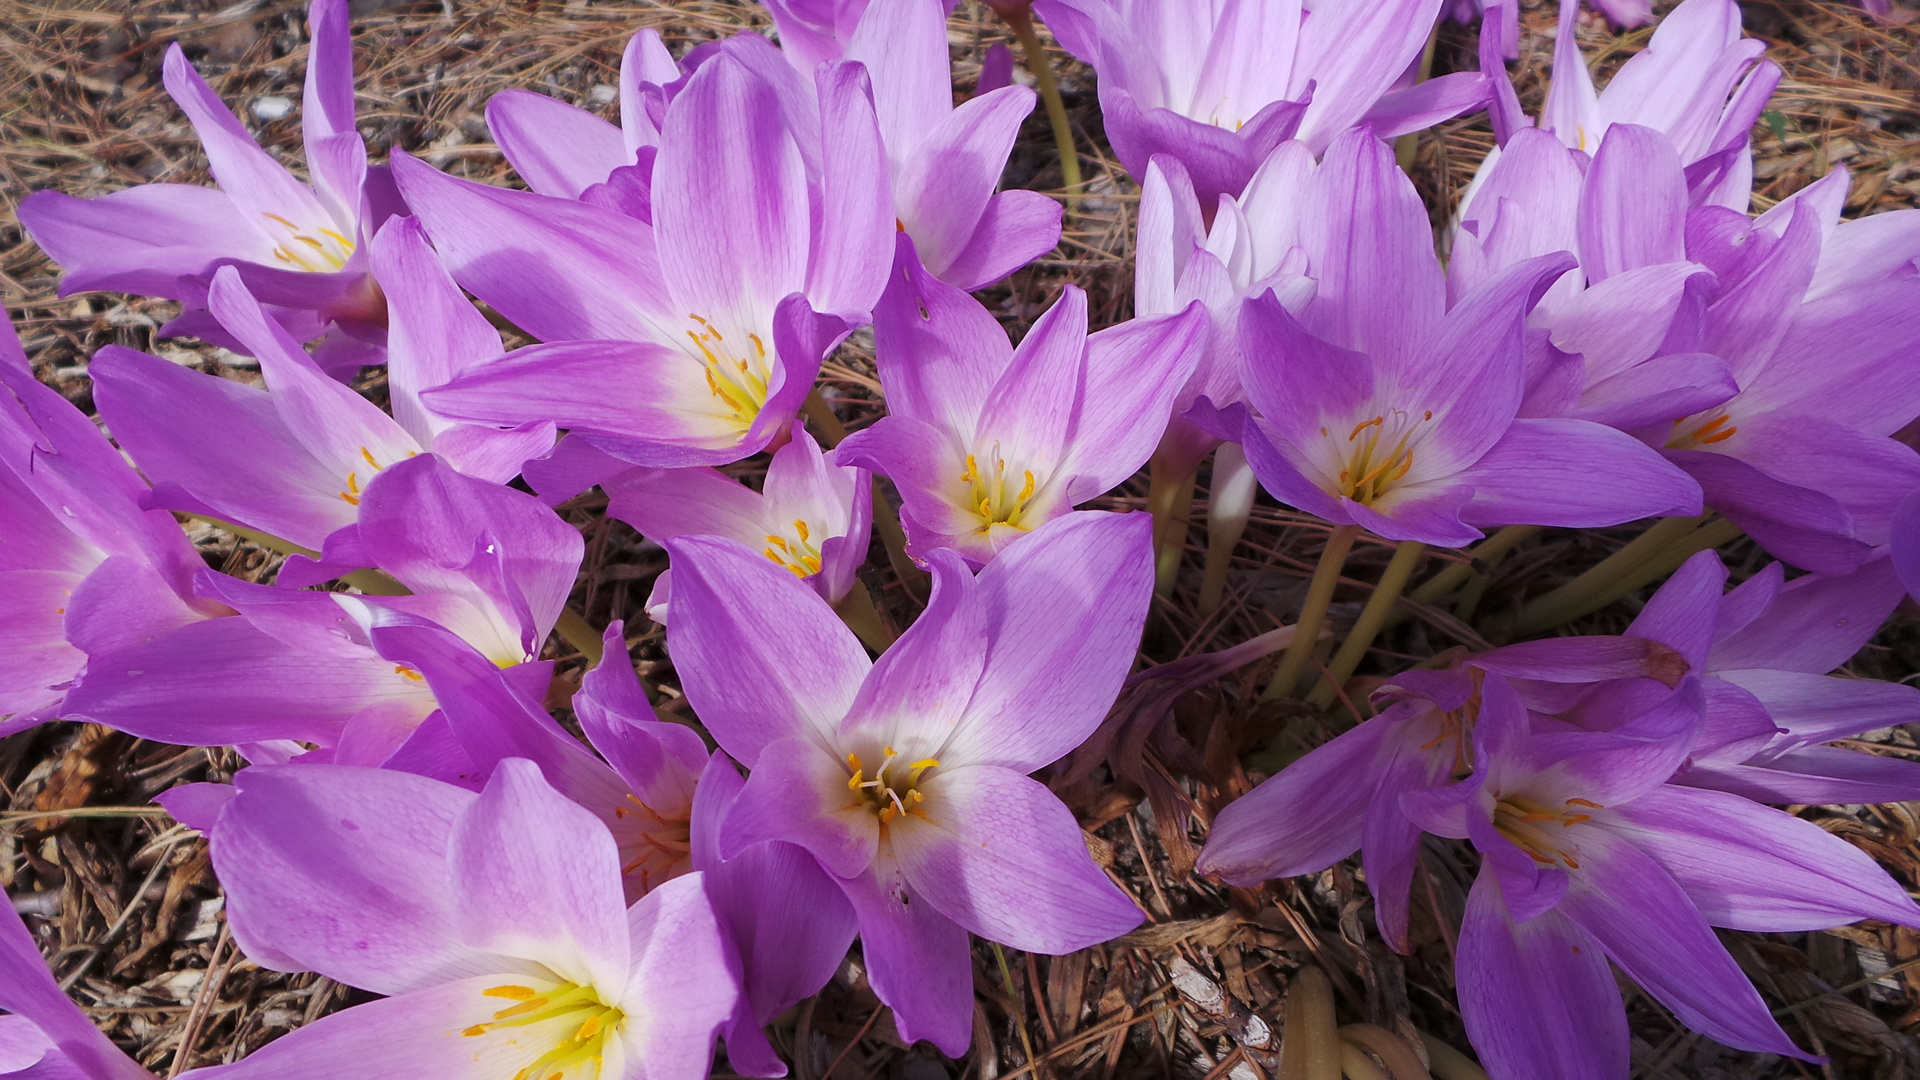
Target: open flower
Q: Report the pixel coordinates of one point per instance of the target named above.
(693, 340)
(1380, 407)
(84, 561)
(490, 564)
(945, 162)
(1218, 86)
(906, 778)
(494, 923)
(812, 516)
(987, 442)
(1589, 856)
(658, 794)
(299, 247)
(299, 455)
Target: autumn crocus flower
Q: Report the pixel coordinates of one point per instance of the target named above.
(1766, 357)
(987, 442)
(693, 340)
(490, 564)
(298, 246)
(813, 517)
(493, 923)
(84, 561)
(302, 451)
(906, 778)
(1762, 653)
(1589, 857)
(1380, 407)
(1218, 86)
(657, 793)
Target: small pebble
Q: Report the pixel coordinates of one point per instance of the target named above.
(603, 94)
(273, 107)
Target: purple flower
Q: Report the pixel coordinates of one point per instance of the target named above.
(1380, 407)
(987, 442)
(490, 564)
(1589, 856)
(83, 562)
(297, 457)
(1779, 343)
(1762, 653)
(692, 340)
(1590, 852)
(1218, 86)
(297, 246)
(945, 163)
(1250, 246)
(43, 1033)
(494, 923)
(812, 517)
(787, 926)
(1698, 82)
(906, 778)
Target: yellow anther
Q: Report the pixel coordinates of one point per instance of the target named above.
(777, 542)
(1378, 421)
(1026, 489)
(853, 782)
(589, 1029)
(369, 456)
(757, 346)
(972, 473)
(800, 527)
(516, 993)
(525, 1007)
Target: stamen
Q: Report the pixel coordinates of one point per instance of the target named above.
(1590, 804)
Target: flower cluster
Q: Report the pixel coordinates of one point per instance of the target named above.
(1612, 337)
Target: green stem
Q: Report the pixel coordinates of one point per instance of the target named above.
(1313, 612)
(1229, 505)
(1393, 581)
(821, 413)
(1489, 551)
(1036, 55)
(577, 632)
(1170, 501)
(1408, 145)
(1655, 567)
(1014, 1006)
(1577, 597)
(858, 611)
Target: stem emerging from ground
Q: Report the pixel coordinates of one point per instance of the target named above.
(1373, 617)
(1309, 1039)
(1170, 501)
(1036, 56)
(857, 610)
(577, 632)
(1656, 566)
(1595, 588)
(1229, 505)
(1313, 612)
(1487, 551)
